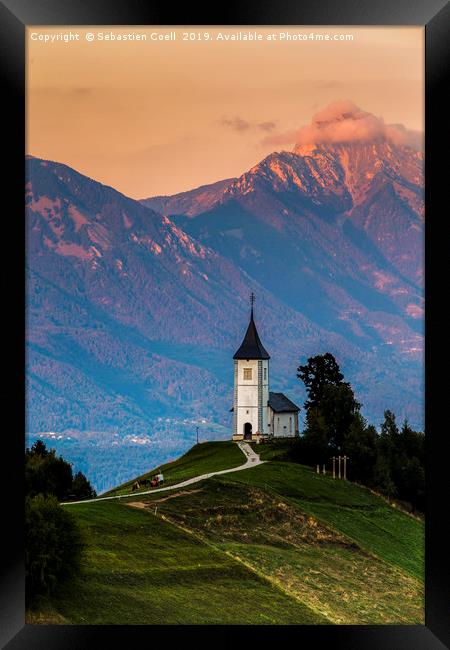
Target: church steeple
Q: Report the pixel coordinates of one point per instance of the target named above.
(258, 413)
(251, 346)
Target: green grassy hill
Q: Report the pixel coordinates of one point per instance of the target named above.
(202, 458)
(274, 544)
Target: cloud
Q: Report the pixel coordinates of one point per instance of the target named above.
(240, 125)
(236, 123)
(267, 126)
(344, 121)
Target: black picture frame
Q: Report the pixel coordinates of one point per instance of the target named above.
(15, 15)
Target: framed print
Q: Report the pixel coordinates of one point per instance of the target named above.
(225, 366)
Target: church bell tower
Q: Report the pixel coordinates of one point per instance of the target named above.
(251, 385)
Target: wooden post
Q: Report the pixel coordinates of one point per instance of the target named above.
(346, 458)
(318, 470)
(334, 466)
(339, 467)
(324, 470)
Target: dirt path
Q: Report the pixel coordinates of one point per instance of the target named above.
(252, 461)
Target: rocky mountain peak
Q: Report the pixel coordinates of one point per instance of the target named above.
(364, 163)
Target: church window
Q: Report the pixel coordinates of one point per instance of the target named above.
(247, 373)
(265, 373)
(290, 425)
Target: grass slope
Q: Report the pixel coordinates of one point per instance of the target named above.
(354, 511)
(203, 458)
(309, 560)
(273, 544)
(140, 569)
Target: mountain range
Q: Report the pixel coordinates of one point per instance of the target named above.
(135, 308)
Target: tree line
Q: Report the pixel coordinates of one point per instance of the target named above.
(391, 462)
(54, 543)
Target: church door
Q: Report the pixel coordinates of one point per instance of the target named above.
(248, 431)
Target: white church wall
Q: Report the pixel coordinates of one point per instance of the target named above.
(248, 392)
(247, 415)
(283, 425)
(265, 395)
(250, 364)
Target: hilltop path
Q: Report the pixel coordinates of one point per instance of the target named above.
(252, 461)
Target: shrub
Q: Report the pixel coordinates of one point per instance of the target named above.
(45, 473)
(81, 487)
(53, 545)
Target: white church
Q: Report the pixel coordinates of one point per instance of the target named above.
(258, 413)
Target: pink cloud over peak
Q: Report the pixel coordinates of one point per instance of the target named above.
(343, 121)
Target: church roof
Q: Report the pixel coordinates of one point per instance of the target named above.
(279, 403)
(251, 346)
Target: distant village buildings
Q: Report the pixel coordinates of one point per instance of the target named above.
(258, 413)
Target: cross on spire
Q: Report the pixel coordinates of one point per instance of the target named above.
(252, 301)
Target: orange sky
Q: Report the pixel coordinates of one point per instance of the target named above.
(159, 117)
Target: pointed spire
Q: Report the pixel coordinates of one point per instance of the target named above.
(251, 347)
